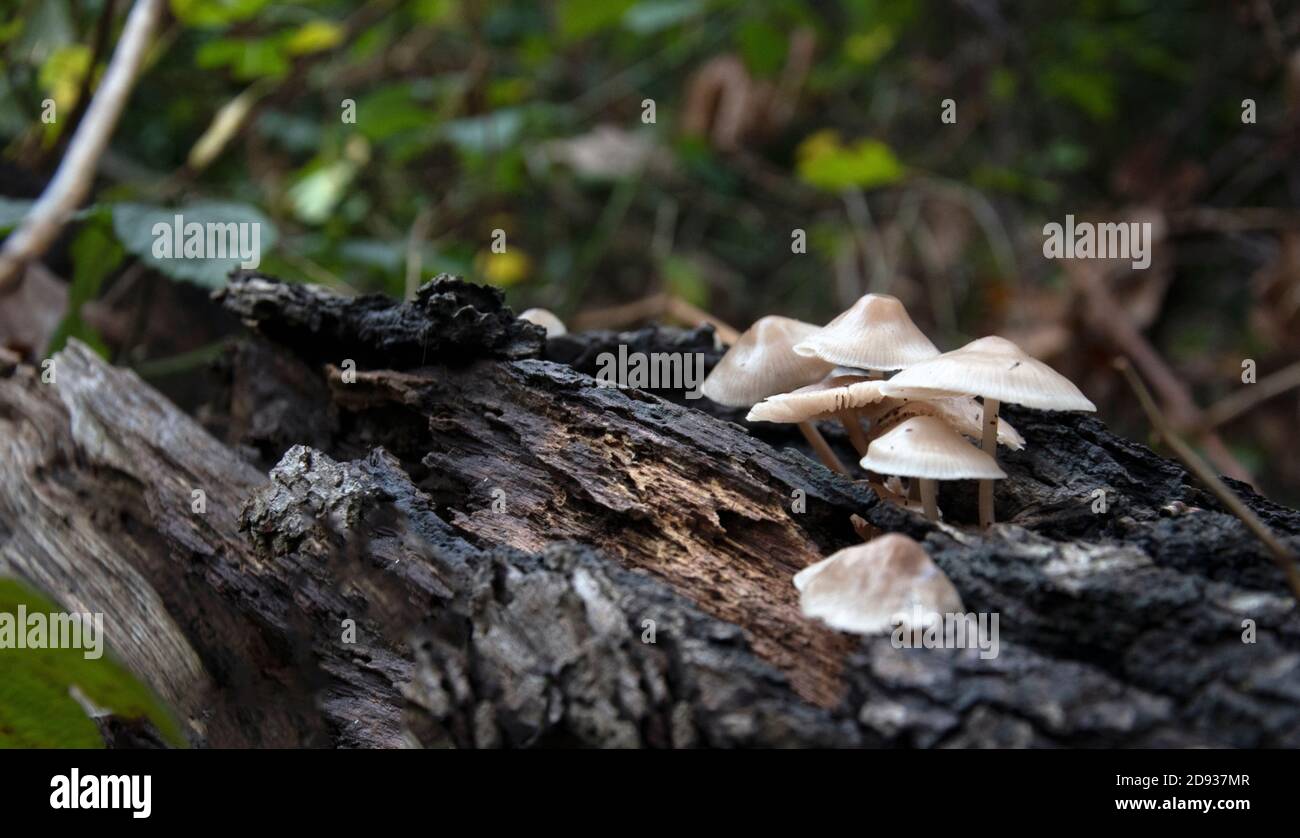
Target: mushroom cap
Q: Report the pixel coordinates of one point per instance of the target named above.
(962, 413)
(553, 325)
(924, 446)
(874, 334)
(762, 363)
(994, 368)
(868, 587)
(828, 396)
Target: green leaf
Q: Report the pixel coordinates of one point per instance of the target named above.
(62, 73)
(36, 709)
(763, 47)
(135, 224)
(581, 18)
(651, 16)
(866, 165)
(686, 281)
(314, 36)
(95, 255)
(390, 111)
(12, 212)
(490, 132)
(316, 195)
(215, 13)
(247, 58)
(1093, 92)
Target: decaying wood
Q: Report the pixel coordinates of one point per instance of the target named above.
(505, 532)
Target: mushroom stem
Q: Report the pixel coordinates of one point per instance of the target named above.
(990, 446)
(929, 498)
(823, 449)
(849, 419)
(914, 488)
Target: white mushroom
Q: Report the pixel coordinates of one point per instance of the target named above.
(927, 448)
(762, 363)
(869, 588)
(874, 334)
(553, 325)
(999, 371)
(836, 395)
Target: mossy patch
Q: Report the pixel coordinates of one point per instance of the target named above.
(36, 709)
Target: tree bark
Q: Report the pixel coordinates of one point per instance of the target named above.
(531, 559)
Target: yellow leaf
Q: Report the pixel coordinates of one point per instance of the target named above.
(62, 73)
(315, 36)
(820, 144)
(504, 269)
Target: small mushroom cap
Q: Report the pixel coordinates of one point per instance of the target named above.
(875, 334)
(553, 325)
(828, 396)
(994, 368)
(962, 413)
(762, 363)
(924, 446)
(868, 587)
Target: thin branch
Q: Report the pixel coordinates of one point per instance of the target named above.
(1282, 555)
(870, 242)
(695, 316)
(414, 247)
(1247, 397)
(619, 316)
(1106, 316)
(71, 183)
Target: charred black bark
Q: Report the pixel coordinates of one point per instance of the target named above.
(503, 552)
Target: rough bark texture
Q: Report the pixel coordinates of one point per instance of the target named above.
(506, 536)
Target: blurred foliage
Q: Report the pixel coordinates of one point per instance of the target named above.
(340, 124)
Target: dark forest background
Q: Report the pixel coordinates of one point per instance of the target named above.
(531, 118)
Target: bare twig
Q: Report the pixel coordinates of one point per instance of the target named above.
(414, 249)
(1236, 220)
(616, 317)
(72, 181)
(1282, 555)
(1107, 317)
(1247, 397)
(683, 311)
(870, 242)
(650, 308)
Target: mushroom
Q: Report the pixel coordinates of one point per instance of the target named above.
(869, 588)
(553, 325)
(874, 334)
(926, 448)
(962, 413)
(838, 394)
(762, 363)
(999, 371)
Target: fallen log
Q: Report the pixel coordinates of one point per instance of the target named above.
(504, 533)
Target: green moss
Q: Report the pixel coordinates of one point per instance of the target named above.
(36, 710)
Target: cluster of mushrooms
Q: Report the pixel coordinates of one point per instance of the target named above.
(917, 422)
(915, 425)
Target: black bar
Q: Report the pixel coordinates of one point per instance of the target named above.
(216, 789)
